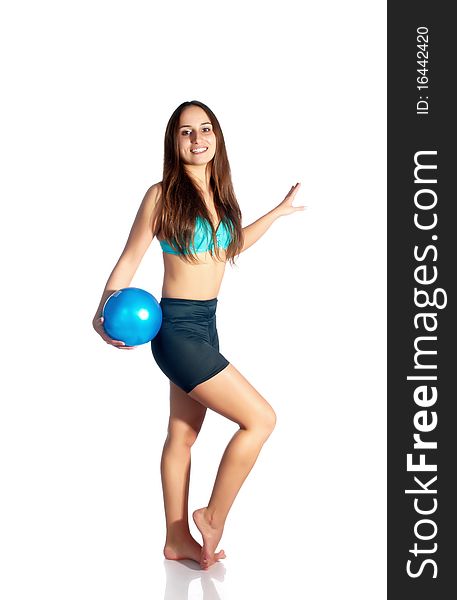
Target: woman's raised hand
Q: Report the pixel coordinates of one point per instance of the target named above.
(285, 207)
(98, 326)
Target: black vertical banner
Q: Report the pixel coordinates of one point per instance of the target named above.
(422, 256)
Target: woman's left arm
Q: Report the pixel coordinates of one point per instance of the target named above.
(255, 230)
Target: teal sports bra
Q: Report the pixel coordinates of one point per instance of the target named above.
(203, 240)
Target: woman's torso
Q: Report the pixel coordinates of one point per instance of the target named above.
(199, 281)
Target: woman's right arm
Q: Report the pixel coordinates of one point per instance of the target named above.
(138, 242)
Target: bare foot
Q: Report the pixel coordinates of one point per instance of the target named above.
(211, 536)
(188, 548)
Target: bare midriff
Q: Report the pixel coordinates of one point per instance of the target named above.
(199, 281)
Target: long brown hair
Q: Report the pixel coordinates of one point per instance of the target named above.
(182, 200)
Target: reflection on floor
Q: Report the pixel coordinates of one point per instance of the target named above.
(179, 575)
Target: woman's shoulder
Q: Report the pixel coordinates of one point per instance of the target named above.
(155, 191)
(150, 204)
(152, 197)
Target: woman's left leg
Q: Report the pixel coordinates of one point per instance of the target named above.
(186, 419)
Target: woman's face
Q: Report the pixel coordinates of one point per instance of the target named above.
(196, 138)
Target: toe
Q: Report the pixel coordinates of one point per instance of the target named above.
(206, 560)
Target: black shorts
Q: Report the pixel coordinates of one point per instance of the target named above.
(186, 347)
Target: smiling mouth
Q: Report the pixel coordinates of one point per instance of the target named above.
(199, 150)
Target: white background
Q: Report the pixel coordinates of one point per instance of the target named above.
(299, 90)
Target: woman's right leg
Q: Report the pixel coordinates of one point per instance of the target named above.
(232, 396)
(186, 418)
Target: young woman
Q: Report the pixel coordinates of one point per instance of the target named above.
(194, 213)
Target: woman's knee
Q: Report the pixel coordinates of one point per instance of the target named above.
(269, 420)
(183, 434)
(262, 423)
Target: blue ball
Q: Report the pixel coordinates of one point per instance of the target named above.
(132, 315)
